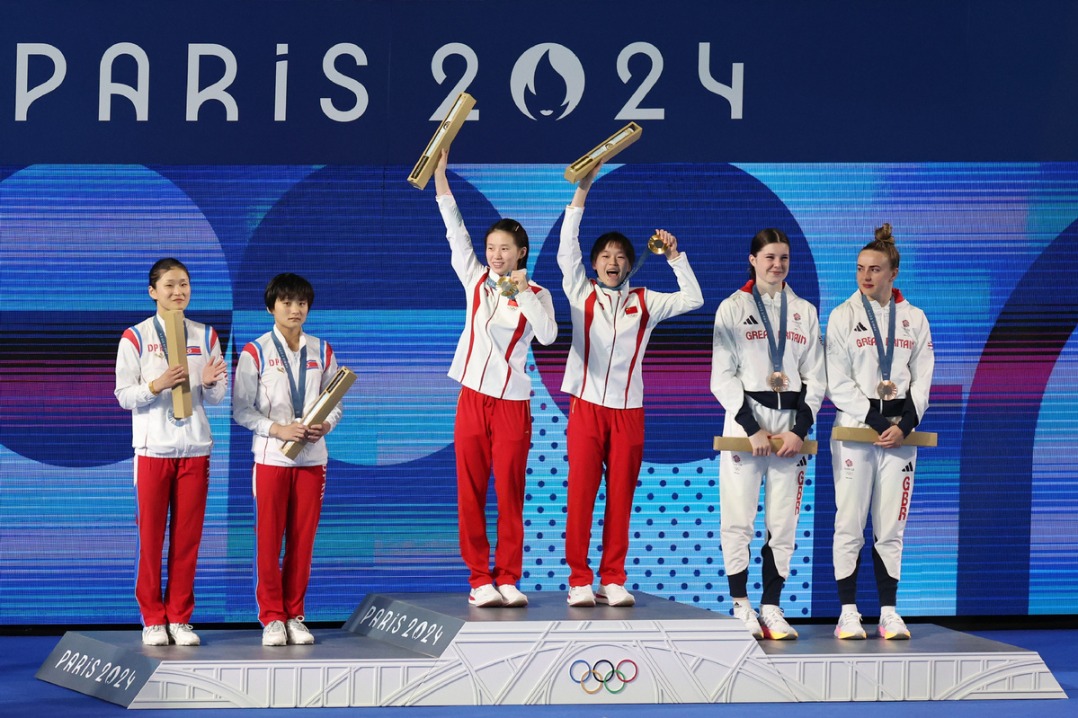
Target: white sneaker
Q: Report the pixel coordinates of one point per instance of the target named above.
(155, 635)
(893, 628)
(183, 635)
(298, 635)
(773, 624)
(744, 613)
(511, 596)
(849, 626)
(580, 596)
(614, 594)
(274, 634)
(485, 597)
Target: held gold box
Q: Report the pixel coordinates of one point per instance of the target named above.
(741, 443)
(604, 152)
(327, 401)
(177, 356)
(869, 436)
(443, 137)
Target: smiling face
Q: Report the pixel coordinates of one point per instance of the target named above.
(503, 254)
(772, 264)
(172, 290)
(875, 276)
(612, 264)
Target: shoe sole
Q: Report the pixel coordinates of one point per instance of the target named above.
(620, 604)
(851, 637)
(896, 637)
(486, 604)
(771, 636)
(515, 604)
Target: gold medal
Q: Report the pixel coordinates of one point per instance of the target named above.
(887, 390)
(656, 244)
(508, 287)
(778, 381)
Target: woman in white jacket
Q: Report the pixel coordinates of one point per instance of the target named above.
(172, 456)
(879, 372)
(493, 423)
(767, 371)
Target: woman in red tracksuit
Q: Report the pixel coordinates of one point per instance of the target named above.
(172, 456)
(493, 424)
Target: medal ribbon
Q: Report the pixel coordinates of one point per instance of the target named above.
(887, 354)
(297, 395)
(162, 336)
(775, 349)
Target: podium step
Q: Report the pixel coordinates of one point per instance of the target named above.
(657, 652)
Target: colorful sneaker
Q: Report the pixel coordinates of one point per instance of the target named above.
(511, 596)
(155, 635)
(614, 594)
(773, 624)
(849, 626)
(893, 628)
(485, 597)
(183, 635)
(298, 635)
(274, 634)
(580, 596)
(744, 613)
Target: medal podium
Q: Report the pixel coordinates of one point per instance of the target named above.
(435, 650)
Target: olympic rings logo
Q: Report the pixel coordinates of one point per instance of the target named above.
(604, 674)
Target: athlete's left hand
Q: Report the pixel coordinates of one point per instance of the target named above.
(519, 277)
(214, 371)
(315, 432)
(791, 444)
(891, 439)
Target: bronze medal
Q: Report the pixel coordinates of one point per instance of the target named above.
(778, 381)
(887, 390)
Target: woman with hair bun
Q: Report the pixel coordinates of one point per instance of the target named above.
(879, 372)
(767, 371)
(493, 425)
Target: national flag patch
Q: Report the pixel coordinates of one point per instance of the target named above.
(631, 310)
(194, 351)
(312, 364)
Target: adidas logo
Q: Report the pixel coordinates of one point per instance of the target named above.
(908, 468)
(751, 320)
(860, 327)
(804, 461)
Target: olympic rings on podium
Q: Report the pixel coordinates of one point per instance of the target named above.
(604, 674)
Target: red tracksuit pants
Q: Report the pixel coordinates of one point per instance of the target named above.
(491, 433)
(596, 436)
(162, 485)
(288, 504)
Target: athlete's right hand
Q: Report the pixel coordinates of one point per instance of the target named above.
(175, 376)
(295, 431)
(761, 443)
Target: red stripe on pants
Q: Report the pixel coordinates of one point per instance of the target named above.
(163, 486)
(288, 504)
(596, 436)
(491, 433)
